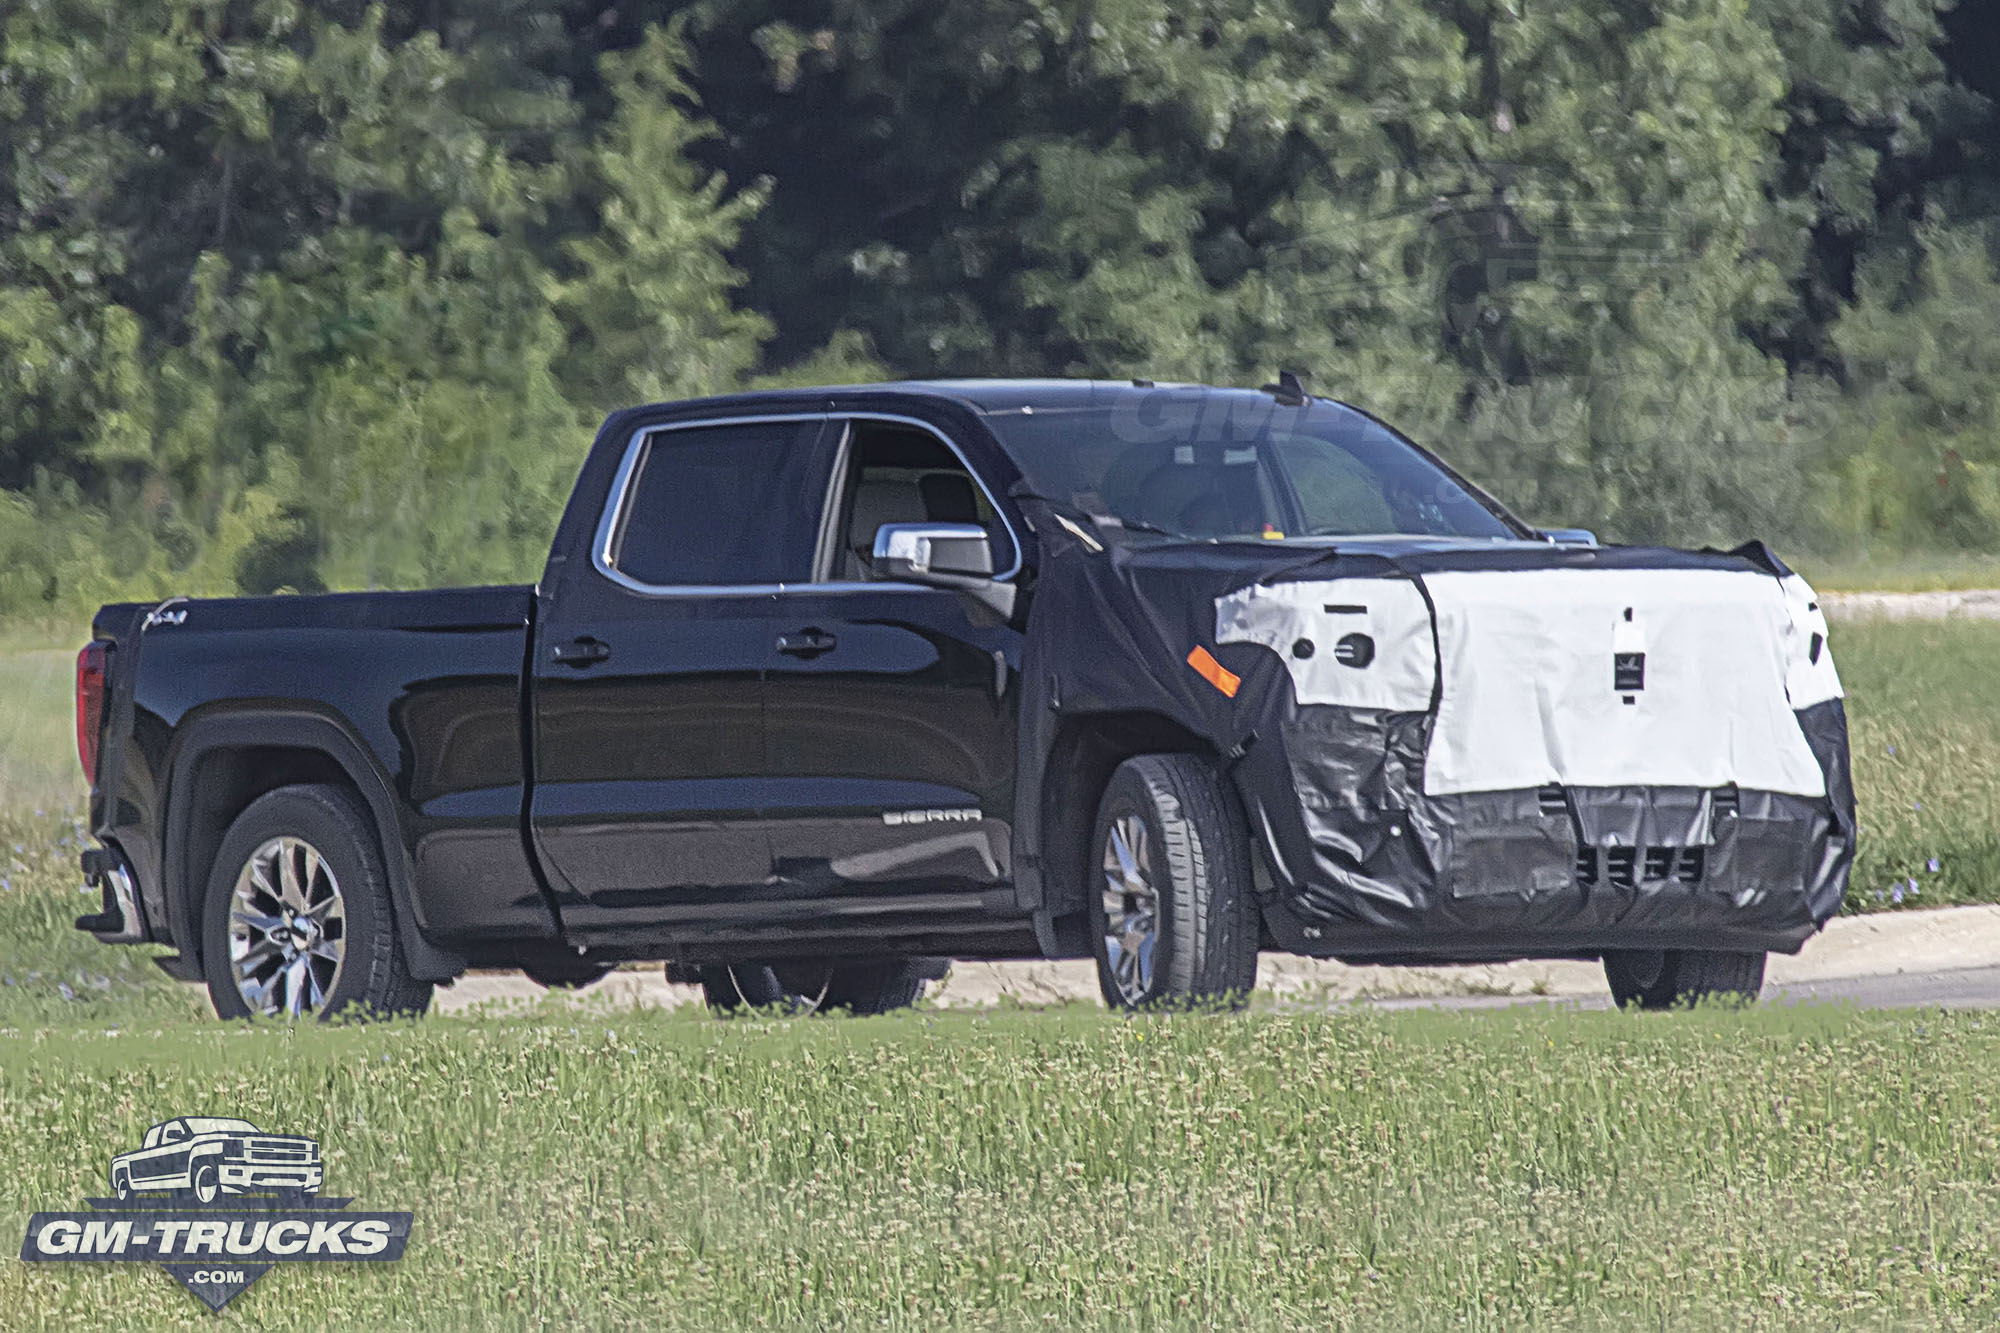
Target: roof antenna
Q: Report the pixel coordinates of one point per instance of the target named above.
(1288, 390)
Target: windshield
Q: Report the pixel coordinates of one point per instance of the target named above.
(1211, 465)
(217, 1125)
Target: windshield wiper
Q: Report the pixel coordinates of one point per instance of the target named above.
(1137, 525)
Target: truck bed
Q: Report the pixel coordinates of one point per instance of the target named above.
(422, 691)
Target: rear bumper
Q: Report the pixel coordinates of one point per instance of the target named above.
(121, 920)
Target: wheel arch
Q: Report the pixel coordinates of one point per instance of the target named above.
(1086, 750)
(223, 763)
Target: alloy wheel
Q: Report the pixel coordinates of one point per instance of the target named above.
(287, 929)
(1131, 908)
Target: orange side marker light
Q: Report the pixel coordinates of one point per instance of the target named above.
(1212, 671)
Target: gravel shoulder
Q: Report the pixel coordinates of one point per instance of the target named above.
(1971, 604)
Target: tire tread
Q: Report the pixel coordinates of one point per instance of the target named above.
(1209, 922)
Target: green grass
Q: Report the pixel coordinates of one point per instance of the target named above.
(1903, 572)
(1924, 717)
(1772, 1168)
(37, 726)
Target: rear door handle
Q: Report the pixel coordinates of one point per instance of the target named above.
(582, 652)
(806, 643)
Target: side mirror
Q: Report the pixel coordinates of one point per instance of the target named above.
(942, 555)
(1569, 536)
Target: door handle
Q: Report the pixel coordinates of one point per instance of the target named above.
(582, 652)
(806, 643)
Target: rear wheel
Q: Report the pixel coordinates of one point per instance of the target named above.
(207, 1184)
(1664, 978)
(1172, 918)
(566, 973)
(805, 988)
(297, 922)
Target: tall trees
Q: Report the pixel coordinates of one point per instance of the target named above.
(300, 294)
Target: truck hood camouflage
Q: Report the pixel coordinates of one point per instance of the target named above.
(1480, 749)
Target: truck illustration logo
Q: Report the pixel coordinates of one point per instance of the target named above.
(206, 1157)
(216, 1201)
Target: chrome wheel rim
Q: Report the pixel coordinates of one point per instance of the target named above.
(287, 929)
(1131, 908)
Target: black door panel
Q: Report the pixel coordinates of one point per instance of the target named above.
(647, 763)
(649, 670)
(891, 756)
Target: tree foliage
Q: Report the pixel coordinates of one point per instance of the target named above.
(300, 295)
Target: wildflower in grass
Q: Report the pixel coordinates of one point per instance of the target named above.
(1932, 865)
(1896, 894)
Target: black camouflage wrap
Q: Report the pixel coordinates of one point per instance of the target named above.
(1358, 863)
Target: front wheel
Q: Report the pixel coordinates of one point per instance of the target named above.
(1173, 921)
(207, 1184)
(1664, 978)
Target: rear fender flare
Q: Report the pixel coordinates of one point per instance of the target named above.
(300, 730)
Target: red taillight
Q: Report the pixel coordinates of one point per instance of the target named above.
(89, 706)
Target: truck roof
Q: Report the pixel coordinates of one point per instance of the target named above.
(981, 395)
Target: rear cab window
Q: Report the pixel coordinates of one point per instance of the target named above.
(718, 505)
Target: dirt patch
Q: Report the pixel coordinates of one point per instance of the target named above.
(1974, 604)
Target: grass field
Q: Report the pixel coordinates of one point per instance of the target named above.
(1902, 572)
(1775, 1168)
(1797, 1169)
(1924, 715)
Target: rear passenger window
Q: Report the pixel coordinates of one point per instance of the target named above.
(721, 505)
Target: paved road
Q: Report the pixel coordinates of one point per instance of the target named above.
(1958, 988)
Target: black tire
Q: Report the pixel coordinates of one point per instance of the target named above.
(1195, 865)
(207, 1184)
(121, 1184)
(566, 973)
(804, 988)
(875, 988)
(733, 988)
(373, 977)
(1665, 978)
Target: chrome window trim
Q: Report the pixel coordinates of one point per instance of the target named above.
(613, 515)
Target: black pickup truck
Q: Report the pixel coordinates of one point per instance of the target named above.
(821, 689)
